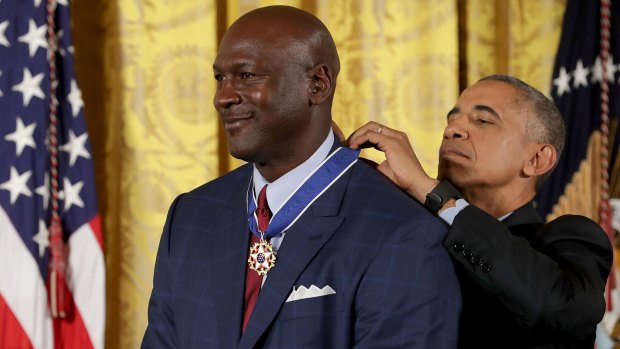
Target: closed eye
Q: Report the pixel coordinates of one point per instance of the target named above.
(484, 121)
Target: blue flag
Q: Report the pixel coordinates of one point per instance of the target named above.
(576, 91)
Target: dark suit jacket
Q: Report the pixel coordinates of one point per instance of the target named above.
(527, 284)
(380, 251)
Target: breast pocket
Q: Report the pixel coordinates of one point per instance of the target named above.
(312, 300)
(312, 322)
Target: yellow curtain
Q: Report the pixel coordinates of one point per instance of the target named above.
(510, 37)
(146, 76)
(399, 67)
(146, 72)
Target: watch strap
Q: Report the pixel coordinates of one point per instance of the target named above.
(438, 197)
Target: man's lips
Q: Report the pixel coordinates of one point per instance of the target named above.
(234, 121)
(451, 151)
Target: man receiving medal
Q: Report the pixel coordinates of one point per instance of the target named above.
(304, 246)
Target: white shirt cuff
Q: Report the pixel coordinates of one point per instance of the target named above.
(449, 214)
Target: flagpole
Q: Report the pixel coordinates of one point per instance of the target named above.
(59, 304)
(604, 207)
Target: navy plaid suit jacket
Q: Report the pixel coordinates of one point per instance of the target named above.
(378, 249)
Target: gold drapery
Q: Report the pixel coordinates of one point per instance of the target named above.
(146, 76)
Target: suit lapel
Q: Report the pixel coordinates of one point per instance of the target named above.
(229, 255)
(301, 243)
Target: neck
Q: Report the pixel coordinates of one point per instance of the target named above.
(498, 201)
(274, 170)
(290, 158)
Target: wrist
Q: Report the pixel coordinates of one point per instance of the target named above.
(450, 203)
(441, 197)
(419, 191)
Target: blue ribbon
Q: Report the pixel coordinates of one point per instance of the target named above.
(311, 189)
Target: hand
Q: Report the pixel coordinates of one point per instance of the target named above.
(401, 165)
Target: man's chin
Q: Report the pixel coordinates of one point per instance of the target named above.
(241, 153)
(241, 156)
(447, 172)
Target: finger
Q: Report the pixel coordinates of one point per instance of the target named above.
(361, 140)
(371, 125)
(369, 138)
(384, 130)
(378, 141)
(385, 169)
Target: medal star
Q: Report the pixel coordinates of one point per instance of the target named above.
(37, 3)
(76, 146)
(580, 75)
(562, 82)
(72, 194)
(261, 258)
(42, 238)
(35, 37)
(3, 40)
(22, 136)
(1, 94)
(75, 98)
(16, 185)
(44, 191)
(30, 86)
(63, 2)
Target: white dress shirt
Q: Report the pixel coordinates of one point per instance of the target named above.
(282, 188)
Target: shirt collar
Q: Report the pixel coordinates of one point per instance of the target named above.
(284, 186)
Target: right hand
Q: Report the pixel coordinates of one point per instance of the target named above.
(401, 164)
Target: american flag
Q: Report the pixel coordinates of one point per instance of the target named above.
(27, 75)
(587, 64)
(577, 77)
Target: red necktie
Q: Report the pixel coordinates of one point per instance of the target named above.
(253, 281)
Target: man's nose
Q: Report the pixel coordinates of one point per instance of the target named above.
(226, 95)
(456, 130)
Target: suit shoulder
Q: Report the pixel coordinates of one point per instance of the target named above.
(576, 227)
(224, 182)
(369, 186)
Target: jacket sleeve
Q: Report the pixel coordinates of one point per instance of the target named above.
(551, 277)
(161, 332)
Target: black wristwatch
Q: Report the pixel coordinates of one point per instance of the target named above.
(438, 197)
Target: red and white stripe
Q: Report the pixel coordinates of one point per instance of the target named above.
(25, 319)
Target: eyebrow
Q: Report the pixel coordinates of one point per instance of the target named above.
(236, 65)
(478, 107)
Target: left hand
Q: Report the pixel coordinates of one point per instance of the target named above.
(401, 164)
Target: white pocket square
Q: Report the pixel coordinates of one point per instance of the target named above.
(302, 292)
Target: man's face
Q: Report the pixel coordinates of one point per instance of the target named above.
(261, 95)
(485, 143)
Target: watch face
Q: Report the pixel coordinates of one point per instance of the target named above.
(433, 201)
(439, 195)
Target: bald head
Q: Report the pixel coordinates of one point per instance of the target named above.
(302, 36)
(276, 74)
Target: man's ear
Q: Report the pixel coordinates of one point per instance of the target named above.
(542, 160)
(320, 87)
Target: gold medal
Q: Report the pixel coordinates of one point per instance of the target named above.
(262, 258)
